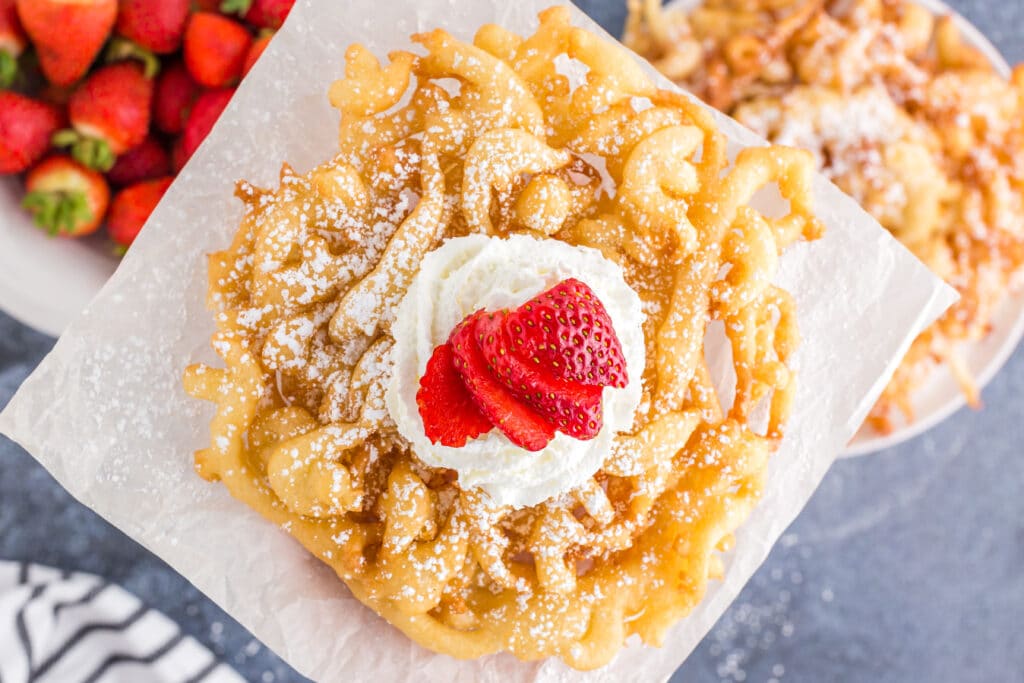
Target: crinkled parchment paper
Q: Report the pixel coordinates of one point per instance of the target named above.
(106, 414)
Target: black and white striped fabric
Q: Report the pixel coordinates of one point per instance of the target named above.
(57, 627)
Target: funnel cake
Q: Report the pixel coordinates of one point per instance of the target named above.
(475, 179)
(902, 112)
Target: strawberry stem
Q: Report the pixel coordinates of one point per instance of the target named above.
(121, 49)
(90, 152)
(58, 212)
(239, 7)
(8, 69)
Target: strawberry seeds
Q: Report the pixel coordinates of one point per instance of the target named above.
(530, 372)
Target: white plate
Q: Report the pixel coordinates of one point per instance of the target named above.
(46, 282)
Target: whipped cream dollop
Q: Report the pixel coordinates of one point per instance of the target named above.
(468, 274)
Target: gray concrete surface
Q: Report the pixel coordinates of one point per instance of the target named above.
(907, 566)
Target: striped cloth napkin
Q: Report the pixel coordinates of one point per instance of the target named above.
(59, 627)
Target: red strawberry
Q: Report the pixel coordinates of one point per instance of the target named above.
(26, 127)
(206, 5)
(110, 115)
(256, 51)
(571, 407)
(173, 98)
(145, 162)
(205, 113)
(56, 95)
(131, 209)
(450, 416)
(568, 330)
(12, 42)
(66, 198)
(215, 49)
(516, 420)
(178, 156)
(157, 25)
(260, 13)
(68, 34)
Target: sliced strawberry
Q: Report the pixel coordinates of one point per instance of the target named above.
(260, 13)
(524, 427)
(66, 198)
(215, 49)
(109, 113)
(450, 416)
(571, 407)
(67, 34)
(12, 42)
(132, 207)
(145, 162)
(256, 51)
(157, 25)
(568, 330)
(173, 98)
(205, 113)
(26, 127)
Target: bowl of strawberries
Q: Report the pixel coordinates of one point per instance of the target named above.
(102, 103)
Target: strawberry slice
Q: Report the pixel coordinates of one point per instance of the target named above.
(450, 416)
(568, 330)
(524, 427)
(573, 408)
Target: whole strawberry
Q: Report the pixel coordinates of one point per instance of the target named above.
(173, 98)
(67, 34)
(157, 25)
(132, 207)
(215, 49)
(109, 115)
(178, 156)
(256, 51)
(205, 113)
(260, 13)
(65, 198)
(26, 127)
(145, 162)
(12, 42)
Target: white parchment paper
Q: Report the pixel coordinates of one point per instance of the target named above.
(106, 415)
